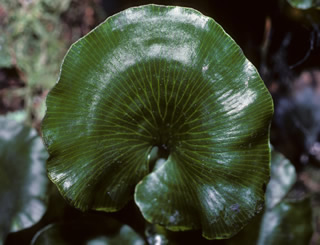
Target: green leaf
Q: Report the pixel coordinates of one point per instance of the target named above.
(287, 223)
(249, 235)
(284, 221)
(283, 177)
(304, 4)
(172, 78)
(23, 180)
(87, 232)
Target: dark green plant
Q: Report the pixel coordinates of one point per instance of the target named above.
(160, 104)
(23, 180)
(87, 231)
(285, 220)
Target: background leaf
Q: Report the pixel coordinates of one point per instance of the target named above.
(284, 221)
(283, 177)
(304, 4)
(172, 78)
(287, 223)
(23, 180)
(89, 231)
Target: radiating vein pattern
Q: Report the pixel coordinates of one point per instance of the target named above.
(167, 77)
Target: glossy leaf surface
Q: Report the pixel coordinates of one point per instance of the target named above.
(23, 179)
(172, 78)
